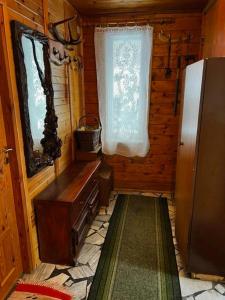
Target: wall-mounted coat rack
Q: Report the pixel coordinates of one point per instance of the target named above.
(167, 38)
(60, 46)
(56, 33)
(182, 39)
(60, 56)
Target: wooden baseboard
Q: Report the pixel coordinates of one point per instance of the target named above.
(207, 277)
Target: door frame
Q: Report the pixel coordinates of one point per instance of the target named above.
(10, 110)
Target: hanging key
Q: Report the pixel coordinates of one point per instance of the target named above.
(6, 151)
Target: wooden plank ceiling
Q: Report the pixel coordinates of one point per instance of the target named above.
(93, 7)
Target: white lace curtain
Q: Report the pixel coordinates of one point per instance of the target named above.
(123, 56)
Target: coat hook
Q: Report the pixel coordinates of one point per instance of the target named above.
(165, 38)
(55, 51)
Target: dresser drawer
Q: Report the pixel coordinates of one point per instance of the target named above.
(79, 231)
(83, 199)
(93, 205)
(89, 189)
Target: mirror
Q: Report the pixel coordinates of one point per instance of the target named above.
(36, 95)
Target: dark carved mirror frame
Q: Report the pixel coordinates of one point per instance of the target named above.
(51, 143)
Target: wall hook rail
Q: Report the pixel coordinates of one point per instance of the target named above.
(167, 38)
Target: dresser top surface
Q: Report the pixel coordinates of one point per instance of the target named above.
(68, 185)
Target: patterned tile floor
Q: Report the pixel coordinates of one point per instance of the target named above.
(78, 279)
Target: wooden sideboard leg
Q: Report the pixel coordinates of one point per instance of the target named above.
(105, 184)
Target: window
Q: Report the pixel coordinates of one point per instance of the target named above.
(123, 65)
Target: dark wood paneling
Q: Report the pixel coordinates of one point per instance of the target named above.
(31, 9)
(214, 30)
(90, 7)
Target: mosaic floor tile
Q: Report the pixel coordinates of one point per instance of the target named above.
(106, 225)
(81, 272)
(104, 218)
(59, 279)
(96, 224)
(88, 289)
(69, 282)
(192, 286)
(87, 252)
(220, 288)
(93, 262)
(79, 290)
(42, 272)
(103, 232)
(95, 239)
(210, 295)
(90, 232)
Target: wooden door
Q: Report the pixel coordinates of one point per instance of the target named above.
(10, 257)
(186, 156)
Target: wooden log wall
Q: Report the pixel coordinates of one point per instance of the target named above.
(67, 83)
(156, 171)
(213, 30)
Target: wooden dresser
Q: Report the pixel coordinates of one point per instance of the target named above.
(64, 211)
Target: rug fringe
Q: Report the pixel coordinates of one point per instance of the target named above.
(51, 285)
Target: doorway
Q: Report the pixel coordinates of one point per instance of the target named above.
(10, 250)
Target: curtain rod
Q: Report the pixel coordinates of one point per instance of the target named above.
(130, 23)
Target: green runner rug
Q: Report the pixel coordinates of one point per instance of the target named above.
(138, 259)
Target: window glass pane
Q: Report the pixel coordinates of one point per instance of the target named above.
(126, 87)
